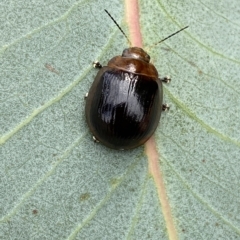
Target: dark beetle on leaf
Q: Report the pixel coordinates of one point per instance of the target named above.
(124, 103)
(123, 106)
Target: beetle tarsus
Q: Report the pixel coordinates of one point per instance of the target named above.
(97, 64)
(165, 107)
(95, 140)
(86, 95)
(166, 79)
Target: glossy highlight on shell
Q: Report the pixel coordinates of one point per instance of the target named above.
(123, 106)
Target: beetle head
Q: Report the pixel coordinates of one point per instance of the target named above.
(137, 53)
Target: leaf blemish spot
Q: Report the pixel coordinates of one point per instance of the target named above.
(84, 197)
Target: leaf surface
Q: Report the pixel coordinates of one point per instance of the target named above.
(56, 183)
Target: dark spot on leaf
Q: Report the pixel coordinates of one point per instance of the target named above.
(200, 72)
(84, 197)
(35, 211)
(51, 68)
(192, 63)
(166, 49)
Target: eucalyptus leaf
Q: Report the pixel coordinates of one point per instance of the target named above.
(56, 183)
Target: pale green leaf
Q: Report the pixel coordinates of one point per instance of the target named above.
(56, 183)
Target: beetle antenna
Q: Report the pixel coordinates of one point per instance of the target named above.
(118, 26)
(168, 36)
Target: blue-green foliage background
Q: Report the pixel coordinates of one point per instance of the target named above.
(55, 183)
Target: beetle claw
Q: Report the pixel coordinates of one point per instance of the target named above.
(166, 79)
(165, 107)
(96, 64)
(95, 140)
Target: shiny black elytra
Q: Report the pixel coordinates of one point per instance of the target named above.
(123, 106)
(124, 103)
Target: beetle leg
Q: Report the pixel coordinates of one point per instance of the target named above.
(95, 140)
(86, 95)
(165, 107)
(96, 64)
(166, 79)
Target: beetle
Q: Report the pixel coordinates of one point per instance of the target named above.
(123, 106)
